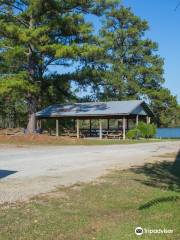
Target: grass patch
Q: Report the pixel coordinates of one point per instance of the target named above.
(110, 209)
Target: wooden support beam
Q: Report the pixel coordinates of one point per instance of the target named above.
(57, 127)
(124, 128)
(90, 127)
(127, 124)
(108, 124)
(100, 129)
(74, 124)
(148, 119)
(137, 120)
(37, 124)
(77, 127)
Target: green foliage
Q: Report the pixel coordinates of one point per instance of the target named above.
(143, 130)
(37, 38)
(16, 83)
(133, 69)
(133, 63)
(165, 108)
(13, 112)
(147, 130)
(134, 133)
(35, 35)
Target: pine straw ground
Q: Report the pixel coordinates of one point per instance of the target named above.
(109, 209)
(44, 139)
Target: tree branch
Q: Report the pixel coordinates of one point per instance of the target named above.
(15, 17)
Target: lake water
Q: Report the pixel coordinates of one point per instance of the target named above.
(168, 133)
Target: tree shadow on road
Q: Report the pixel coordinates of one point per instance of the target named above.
(5, 173)
(164, 175)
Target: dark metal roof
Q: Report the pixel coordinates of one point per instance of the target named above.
(113, 108)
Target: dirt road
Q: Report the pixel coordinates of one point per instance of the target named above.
(28, 171)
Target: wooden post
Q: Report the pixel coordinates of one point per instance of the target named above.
(77, 126)
(127, 124)
(137, 120)
(108, 124)
(148, 119)
(74, 124)
(57, 127)
(124, 128)
(37, 124)
(100, 128)
(90, 127)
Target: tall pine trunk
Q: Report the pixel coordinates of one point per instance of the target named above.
(31, 100)
(31, 126)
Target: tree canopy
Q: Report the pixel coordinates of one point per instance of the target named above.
(118, 63)
(131, 67)
(36, 34)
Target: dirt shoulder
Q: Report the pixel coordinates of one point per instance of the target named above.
(46, 140)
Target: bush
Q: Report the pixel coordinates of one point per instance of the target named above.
(134, 133)
(142, 130)
(147, 130)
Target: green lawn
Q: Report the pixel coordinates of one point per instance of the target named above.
(109, 209)
(106, 141)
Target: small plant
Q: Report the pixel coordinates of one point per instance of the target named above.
(147, 130)
(134, 133)
(142, 130)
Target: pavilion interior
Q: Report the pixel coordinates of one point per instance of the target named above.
(115, 127)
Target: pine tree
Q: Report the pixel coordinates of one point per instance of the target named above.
(36, 34)
(165, 108)
(133, 69)
(132, 63)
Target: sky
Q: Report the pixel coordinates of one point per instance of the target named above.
(164, 24)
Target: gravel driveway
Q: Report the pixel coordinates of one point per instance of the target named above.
(28, 171)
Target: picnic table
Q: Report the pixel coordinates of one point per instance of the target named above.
(112, 134)
(83, 133)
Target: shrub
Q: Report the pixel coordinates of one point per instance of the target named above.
(147, 130)
(142, 130)
(134, 133)
(152, 130)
